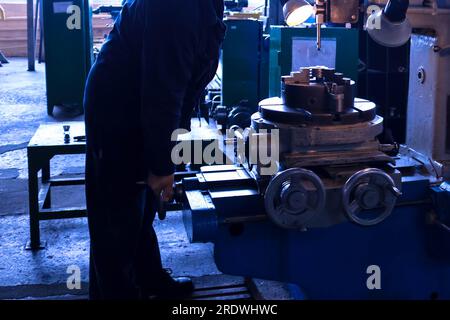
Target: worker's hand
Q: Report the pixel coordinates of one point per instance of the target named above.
(162, 186)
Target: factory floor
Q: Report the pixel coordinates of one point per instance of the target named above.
(43, 274)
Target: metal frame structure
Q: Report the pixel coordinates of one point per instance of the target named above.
(45, 144)
(31, 35)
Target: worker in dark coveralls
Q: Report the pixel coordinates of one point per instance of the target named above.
(148, 78)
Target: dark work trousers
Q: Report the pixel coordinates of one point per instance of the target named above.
(125, 257)
(148, 78)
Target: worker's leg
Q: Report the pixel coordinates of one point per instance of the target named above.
(94, 291)
(115, 207)
(152, 279)
(148, 257)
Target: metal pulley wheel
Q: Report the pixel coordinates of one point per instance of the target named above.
(369, 197)
(293, 197)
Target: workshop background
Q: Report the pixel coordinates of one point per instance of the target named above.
(238, 234)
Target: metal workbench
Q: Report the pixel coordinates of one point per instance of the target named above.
(48, 142)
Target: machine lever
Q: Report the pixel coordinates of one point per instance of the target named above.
(395, 191)
(442, 225)
(173, 205)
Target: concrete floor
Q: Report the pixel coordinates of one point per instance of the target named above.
(26, 274)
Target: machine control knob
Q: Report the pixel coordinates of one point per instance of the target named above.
(369, 197)
(293, 197)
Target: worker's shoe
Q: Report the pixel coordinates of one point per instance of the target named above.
(172, 288)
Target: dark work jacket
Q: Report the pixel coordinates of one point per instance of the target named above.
(150, 74)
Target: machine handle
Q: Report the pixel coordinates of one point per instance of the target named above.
(165, 206)
(442, 225)
(174, 205)
(432, 218)
(162, 212)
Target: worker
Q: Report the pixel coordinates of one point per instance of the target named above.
(149, 75)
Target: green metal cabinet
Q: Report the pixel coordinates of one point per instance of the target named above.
(68, 51)
(281, 51)
(245, 63)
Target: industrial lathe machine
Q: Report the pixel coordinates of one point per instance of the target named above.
(339, 216)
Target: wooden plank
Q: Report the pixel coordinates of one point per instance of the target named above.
(13, 35)
(19, 51)
(213, 292)
(17, 40)
(228, 298)
(217, 281)
(14, 49)
(7, 29)
(220, 287)
(14, 10)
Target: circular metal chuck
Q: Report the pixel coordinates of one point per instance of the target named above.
(369, 197)
(293, 197)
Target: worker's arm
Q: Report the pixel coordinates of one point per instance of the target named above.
(168, 53)
(206, 63)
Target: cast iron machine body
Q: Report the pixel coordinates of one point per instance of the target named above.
(337, 206)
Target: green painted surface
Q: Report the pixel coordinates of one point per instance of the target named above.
(244, 63)
(281, 51)
(68, 52)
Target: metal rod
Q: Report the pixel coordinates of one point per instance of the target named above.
(320, 18)
(33, 202)
(41, 33)
(35, 21)
(442, 225)
(318, 35)
(31, 42)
